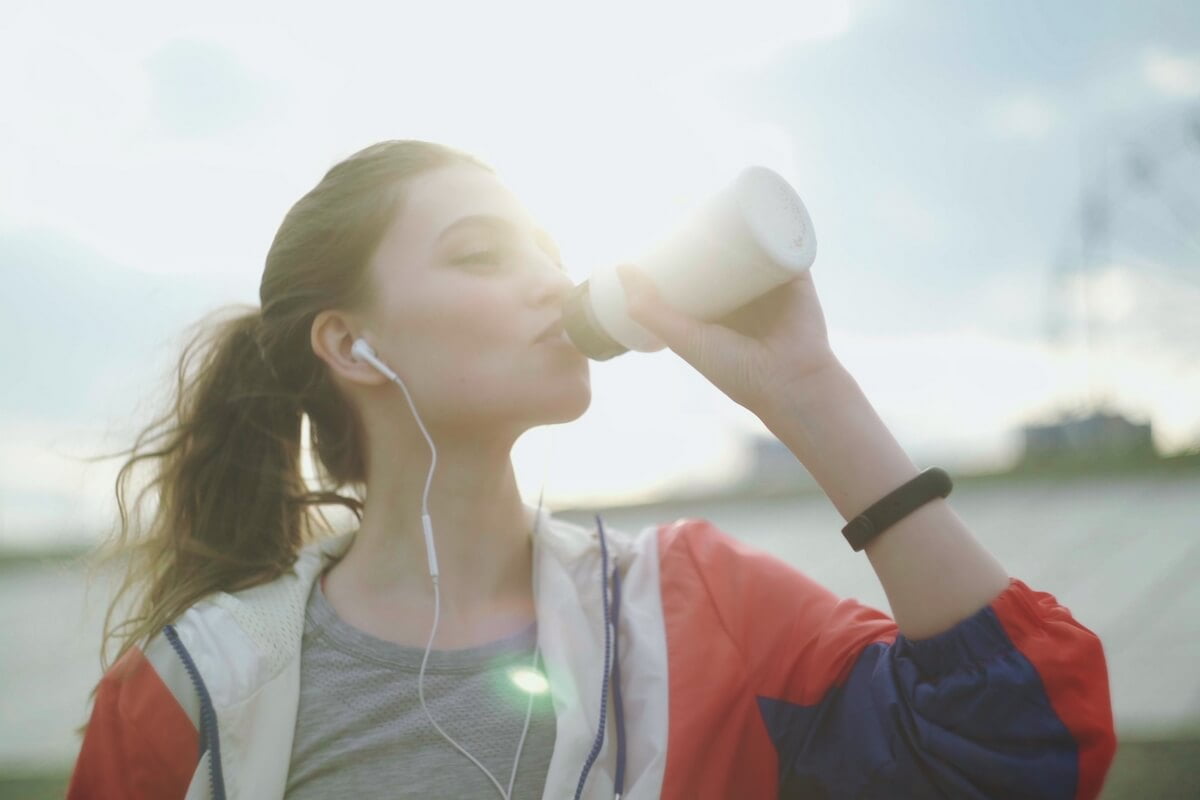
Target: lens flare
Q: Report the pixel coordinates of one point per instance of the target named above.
(529, 680)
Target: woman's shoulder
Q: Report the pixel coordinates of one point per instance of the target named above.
(696, 541)
(705, 545)
(263, 624)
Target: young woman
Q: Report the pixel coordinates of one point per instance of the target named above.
(264, 660)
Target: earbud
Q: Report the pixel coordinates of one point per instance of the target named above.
(361, 350)
(364, 352)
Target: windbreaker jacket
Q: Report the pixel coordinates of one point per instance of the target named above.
(682, 664)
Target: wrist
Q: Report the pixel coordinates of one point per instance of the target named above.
(829, 425)
(806, 394)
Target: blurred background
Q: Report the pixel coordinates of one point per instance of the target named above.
(1007, 204)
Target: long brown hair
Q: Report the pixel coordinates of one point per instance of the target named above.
(232, 506)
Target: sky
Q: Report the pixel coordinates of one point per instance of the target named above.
(944, 150)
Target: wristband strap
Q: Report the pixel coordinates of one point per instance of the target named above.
(931, 484)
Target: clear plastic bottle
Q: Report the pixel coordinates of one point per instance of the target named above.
(744, 241)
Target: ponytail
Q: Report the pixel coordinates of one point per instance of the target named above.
(232, 504)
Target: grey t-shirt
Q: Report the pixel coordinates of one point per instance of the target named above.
(361, 731)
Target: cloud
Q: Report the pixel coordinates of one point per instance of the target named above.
(748, 33)
(909, 215)
(1023, 115)
(46, 487)
(1171, 74)
(200, 88)
(1142, 304)
(87, 343)
(80, 330)
(1011, 302)
(963, 395)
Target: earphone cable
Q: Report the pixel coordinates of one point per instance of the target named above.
(427, 526)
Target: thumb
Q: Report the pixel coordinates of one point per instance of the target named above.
(680, 332)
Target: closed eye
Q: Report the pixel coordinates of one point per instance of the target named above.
(497, 255)
(481, 257)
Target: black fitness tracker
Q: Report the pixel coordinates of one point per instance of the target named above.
(931, 484)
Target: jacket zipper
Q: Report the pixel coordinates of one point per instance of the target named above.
(209, 738)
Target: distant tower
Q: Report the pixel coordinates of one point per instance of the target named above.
(1136, 201)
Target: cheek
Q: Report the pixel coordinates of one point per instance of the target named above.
(482, 319)
(471, 324)
(464, 340)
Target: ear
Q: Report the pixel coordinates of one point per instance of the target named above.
(332, 336)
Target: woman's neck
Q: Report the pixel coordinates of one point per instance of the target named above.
(482, 535)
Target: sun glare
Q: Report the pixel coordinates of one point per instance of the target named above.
(529, 680)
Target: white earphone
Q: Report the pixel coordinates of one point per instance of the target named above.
(364, 352)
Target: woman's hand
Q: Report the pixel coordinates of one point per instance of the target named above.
(755, 355)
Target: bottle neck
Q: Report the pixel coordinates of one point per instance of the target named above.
(584, 329)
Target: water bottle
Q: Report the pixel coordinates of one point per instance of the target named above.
(749, 238)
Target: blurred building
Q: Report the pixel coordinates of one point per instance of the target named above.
(1099, 437)
(771, 469)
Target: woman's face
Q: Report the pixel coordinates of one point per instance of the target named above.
(466, 283)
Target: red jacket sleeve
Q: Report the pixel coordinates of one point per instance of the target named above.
(139, 741)
(1012, 701)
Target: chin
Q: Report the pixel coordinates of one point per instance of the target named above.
(568, 405)
(562, 398)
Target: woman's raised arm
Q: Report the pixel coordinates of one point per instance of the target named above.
(773, 357)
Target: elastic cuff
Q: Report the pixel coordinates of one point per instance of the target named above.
(980, 637)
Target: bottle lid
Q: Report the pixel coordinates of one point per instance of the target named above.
(584, 330)
(776, 218)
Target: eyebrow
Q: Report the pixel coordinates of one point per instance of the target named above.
(493, 221)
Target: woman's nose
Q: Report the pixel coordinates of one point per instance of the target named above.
(551, 283)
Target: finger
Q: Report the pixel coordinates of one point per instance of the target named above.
(648, 309)
(693, 339)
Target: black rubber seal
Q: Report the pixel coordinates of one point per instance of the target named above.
(584, 328)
